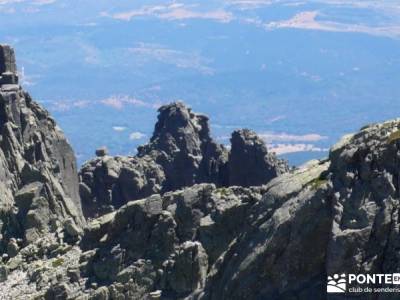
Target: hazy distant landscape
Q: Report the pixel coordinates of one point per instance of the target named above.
(300, 73)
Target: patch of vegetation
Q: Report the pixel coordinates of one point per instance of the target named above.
(57, 263)
(316, 183)
(394, 137)
(223, 191)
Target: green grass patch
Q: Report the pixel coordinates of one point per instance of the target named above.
(223, 191)
(394, 137)
(316, 183)
(57, 263)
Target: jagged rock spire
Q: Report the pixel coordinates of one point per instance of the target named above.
(8, 68)
(182, 144)
(38, 171)
(7, 59)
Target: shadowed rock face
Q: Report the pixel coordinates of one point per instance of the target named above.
(180, 153)
(7, 60)
(365, 177)
(8, 69)
(250, 163)
(38, 173)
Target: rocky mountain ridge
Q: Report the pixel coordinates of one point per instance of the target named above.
(38, 180)
(204, 222)
(180, 153)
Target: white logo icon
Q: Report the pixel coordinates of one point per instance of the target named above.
(336, 284)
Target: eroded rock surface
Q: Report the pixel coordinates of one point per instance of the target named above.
(276, 241)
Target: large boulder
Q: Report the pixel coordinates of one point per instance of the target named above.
(250, 163)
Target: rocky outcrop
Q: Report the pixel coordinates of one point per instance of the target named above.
(181, 153)
(38, 172)
(343, 221)
(109, 182)
(173, 239)
(275, 241)
(8, 69)
(182, 145)
(207, 241)
(250, 163)
(365, 204)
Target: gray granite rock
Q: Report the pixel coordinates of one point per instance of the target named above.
(250, 163)
(180, 153)
(38, 172)
(185, 219)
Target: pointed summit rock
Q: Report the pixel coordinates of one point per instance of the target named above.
(7, 59)
(8, 68)
(181, 143)
(180, 153)
(38, 172)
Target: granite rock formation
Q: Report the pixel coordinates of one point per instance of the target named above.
(250, 164)
(275, 241)
(180, 153)
(38, 172)
(204, 241)
(182, 145)
(109, 182)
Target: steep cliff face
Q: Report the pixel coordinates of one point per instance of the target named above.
(38, 175)
(180, 153)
